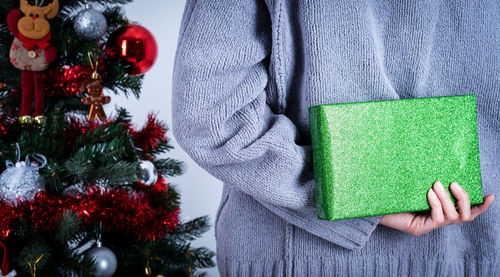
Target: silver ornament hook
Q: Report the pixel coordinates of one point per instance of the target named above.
(37, 157)
(99, 235)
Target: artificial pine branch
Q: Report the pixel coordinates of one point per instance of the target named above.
(170, 167)
(117, 174)
(191, 230)
(69, 226)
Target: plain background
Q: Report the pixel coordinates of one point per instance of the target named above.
(200, 192)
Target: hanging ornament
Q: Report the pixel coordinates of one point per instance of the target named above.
(105, 260)
(95, 98)
(149, 173)
(148, 270)
(32, 264)
(90, 24)
(135, 45)
(21, 182)
(32, 52)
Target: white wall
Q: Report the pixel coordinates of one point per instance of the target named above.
(200, 192)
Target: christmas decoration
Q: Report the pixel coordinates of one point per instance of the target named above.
(135, 45)
(21, 182)
(366, 154)
(149, 271)
(92, 170)
(96, 100)
(151, 136)
(65, 81)
(31, 52)
(5, 263)
(115, 209)
(149, 173)
(90, 24)
(13, 273)
(32, 264)
(105, 259)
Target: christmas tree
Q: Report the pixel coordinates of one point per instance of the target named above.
(81, 192)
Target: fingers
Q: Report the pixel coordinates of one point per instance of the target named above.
(463, 202)
(448, 208)
(443, 211)
(436, 208)
(478, 209)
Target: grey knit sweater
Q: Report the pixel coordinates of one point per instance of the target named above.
(247, 70)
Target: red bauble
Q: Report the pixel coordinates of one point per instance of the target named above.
(134, 44)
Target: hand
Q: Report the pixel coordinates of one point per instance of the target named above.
(443, 212)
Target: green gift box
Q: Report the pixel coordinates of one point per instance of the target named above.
(382, 157)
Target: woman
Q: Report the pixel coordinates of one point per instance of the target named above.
(247, 70)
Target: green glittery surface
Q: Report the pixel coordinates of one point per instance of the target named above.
(374, 158)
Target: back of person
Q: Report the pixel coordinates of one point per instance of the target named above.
(245, 74)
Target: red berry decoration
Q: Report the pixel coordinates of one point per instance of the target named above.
(135, 45)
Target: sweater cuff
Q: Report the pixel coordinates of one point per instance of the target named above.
(348, 233)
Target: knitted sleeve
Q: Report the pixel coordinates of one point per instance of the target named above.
(221, 118)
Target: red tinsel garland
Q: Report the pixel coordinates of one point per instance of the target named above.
(151, 135)
(65, 80)
(116, 209)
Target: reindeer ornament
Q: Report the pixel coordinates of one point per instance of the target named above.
(31, 52)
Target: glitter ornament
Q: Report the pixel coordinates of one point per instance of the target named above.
(149, 173)
(135, 45)
(21, 182)
(90, 24)
(105, 260)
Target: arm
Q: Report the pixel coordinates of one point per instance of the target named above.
(221, 118)
(86, 100)
(12, 19)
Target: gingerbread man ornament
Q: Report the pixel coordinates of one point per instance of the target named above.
(96, 100)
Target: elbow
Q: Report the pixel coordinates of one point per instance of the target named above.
(191, 132)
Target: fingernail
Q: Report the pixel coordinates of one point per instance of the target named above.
(440, 186)
(432, 193)
(457, 186)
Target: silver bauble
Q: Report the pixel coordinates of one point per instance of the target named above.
(149, 173)
(20, 183)
(90, 24)
(105, 260)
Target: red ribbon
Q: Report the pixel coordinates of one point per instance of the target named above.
(29, 43)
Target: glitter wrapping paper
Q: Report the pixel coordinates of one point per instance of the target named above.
(375, 158)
